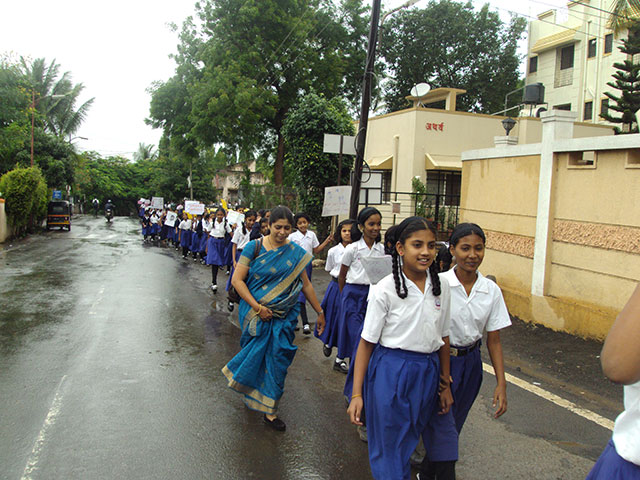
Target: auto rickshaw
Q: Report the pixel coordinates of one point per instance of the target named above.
(59, 214)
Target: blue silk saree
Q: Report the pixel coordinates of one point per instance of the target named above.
(258, 371)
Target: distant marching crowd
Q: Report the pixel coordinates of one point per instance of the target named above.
(409, 343)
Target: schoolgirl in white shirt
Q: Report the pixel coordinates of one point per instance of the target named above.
(216, 245)
(403, 354)
(240, 238)
(476, 305)
(207, 224)
(332, 299)
(354, 283)
(621, 364)
(185, 234)
(309, 241)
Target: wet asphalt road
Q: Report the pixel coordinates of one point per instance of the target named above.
(110, 355)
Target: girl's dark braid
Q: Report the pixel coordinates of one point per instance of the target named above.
(435, 279)
(401, 288)
(244, 229)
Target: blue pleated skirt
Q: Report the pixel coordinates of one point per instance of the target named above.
(353, 306)
(443, 431)
(204, 238)
(611, 466)
(228, 252)
(215, 251)
(185, 238)
(331, 307)
(195, 242)
(399, 393)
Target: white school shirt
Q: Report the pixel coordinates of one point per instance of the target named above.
(206, 226)
(185, 224)
(218, 229)
(352, 256)
(483, 309)
(416, 323)
(334, 260)
(626, 431)
(308, 241)
(239, 238)
(154, 218)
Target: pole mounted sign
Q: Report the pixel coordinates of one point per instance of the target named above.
(57, 195)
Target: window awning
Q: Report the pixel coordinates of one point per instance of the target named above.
(442, 162)
(555, 40)
(384, 162)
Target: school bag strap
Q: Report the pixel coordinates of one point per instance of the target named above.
(256, 250)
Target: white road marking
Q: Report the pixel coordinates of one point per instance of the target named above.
(49, 421)
(551, 397)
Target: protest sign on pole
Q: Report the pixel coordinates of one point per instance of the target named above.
(235, 218)
(336, 200)
(157, 202)
(193, 207)
(171, 219)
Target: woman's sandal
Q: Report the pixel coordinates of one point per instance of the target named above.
(276, 423)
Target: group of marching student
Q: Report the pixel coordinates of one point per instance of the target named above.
(413, 339)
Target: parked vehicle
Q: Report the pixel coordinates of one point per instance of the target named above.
(59, 214)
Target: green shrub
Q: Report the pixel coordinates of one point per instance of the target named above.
(26, 195)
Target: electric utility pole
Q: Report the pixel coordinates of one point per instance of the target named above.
(364, 110)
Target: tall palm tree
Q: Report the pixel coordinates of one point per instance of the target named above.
(623, 13)
(55, 97)
(145, 152)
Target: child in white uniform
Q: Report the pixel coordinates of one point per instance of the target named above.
(396, 381)
(240, 238)
(476, 305)
(309, 241)
(332, 299)
(621, 363)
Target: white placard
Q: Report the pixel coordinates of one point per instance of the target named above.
(331, 144)
(193, 207)
(235, 218)
(336, 201)
(377, 268)
(157, 202)
(171, 218)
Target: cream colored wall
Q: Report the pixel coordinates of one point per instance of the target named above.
(501, 194)
(594, 254)
(4, 226)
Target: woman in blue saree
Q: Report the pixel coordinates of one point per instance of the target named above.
(269, 285)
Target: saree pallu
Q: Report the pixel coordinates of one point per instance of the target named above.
(258, 371)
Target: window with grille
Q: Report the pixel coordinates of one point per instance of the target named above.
(566, 57)
(604, 106)
(608, 43)
(533, 64)
(588, 111)
(591, 49)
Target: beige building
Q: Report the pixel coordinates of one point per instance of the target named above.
(427, 143)
(228, 181)
(562, 219)
(572, 52)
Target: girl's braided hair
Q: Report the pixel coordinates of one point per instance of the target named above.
(402, 232)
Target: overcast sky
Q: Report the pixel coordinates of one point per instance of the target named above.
(118, 48)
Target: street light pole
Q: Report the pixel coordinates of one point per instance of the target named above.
(364, 111)
(366, 101)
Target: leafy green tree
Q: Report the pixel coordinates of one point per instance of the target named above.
(627, 81)
(254, 60)
(449, 44)
(56, 97)
(304, 130)
(145, 152)
(26, 197)
(14, 117)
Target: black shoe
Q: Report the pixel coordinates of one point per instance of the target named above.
(341, 367)
(230, 306)
(326, 349)
(276, 423)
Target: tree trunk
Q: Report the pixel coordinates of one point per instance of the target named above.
(278, 167)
